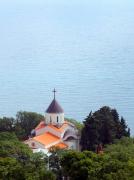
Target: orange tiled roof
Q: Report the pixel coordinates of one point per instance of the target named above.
(46, 138)
(61, 145)
(60, 129)
(40, 125)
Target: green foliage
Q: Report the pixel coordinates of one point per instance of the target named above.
(10, 169)
(22, 125)
(54, 161)
(78, 124)
(10, 146)
(26, 121)
(122, 149)
(116, 163)
(17, 162)
(102, 126)
(6, 124)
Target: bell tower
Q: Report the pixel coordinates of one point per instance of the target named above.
(54, 114)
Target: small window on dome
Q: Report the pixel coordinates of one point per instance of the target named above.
(57, 119)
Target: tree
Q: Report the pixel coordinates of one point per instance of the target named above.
(22, 125)
(17, 162)
(116, 163)
(6, 124)
(89, 136)
(102, 126)
(82, 165)
(56, 154)
(123, 128)
(25, 122)
(10, 169)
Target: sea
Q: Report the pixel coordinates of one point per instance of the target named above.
(83, 48)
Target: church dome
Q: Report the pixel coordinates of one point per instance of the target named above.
(54, 113)
(54, 107)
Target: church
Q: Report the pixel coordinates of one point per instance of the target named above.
(54, 131)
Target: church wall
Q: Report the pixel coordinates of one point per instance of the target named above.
(40, 131)
(52, 131)
(72, 144)
(34, 144)
(71, 130)
(52, 118)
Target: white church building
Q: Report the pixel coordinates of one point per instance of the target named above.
(54, 131)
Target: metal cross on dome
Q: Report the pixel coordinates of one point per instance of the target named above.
(54, 91)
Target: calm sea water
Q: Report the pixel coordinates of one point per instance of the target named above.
(83, 48)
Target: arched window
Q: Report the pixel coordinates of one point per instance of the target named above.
(50, 120)
(33, 144)
(57, 119)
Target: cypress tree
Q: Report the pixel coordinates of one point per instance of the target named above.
(102, 126)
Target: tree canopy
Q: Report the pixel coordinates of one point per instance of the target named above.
(116, 163)
(17, 162)
(102, 126)
(22, 124)
(26, 121)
